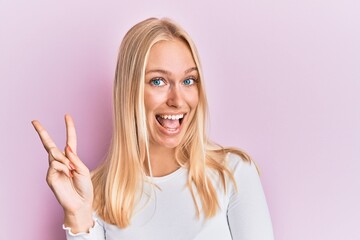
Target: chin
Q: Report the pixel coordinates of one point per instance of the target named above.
(166, 142)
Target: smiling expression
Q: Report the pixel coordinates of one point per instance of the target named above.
(171, 92)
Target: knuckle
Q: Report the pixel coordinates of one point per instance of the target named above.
(52, 164)
(52, 151)
(49, 180)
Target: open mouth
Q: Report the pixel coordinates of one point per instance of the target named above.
(170, 122)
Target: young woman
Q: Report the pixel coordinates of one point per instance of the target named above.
(162, 178)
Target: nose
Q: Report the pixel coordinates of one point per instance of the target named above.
(175, 97)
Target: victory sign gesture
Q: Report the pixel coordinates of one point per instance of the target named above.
(68, 177)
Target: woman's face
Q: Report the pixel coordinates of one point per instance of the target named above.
(171, 92)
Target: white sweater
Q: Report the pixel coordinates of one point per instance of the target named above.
(167, 211)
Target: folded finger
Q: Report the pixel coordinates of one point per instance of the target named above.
(56, 155)
(44, 136)
(79, 166)
(55, 168)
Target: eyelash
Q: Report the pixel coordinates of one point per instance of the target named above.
(157, 79)
(195, 81)
(164, 82)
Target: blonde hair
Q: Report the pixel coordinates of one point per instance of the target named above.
(119, 180)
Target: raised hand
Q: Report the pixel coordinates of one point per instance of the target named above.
(67, 175)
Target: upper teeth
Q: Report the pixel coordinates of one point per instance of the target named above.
(172, 117)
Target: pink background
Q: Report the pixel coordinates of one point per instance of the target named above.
(283, 80)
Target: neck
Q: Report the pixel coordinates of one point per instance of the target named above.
(162, 160)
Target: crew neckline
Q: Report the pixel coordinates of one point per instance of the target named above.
(168, 177)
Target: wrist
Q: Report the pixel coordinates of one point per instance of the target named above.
(79, 221)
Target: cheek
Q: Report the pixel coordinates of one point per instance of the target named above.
(151, 101)
(193, 99)
(147, 102)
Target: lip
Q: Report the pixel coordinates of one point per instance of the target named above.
(167, 131)
(173, 113)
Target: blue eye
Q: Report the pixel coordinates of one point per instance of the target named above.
(157, 82)
(189, 81)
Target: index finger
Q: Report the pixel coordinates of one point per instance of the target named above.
(44, 136)
(70, 133)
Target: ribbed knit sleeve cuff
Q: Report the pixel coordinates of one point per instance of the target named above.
(83, 235)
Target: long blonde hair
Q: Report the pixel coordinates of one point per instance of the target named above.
(118, 181)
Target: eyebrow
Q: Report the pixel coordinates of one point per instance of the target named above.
(169, 73)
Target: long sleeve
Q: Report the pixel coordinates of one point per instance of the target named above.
(97, 232)
(248, 214)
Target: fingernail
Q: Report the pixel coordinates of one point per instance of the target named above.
(72, 167)
(69, 148)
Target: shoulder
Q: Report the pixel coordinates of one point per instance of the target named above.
(245, 174)
(237, 163)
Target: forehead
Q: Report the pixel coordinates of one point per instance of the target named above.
(170, 55)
